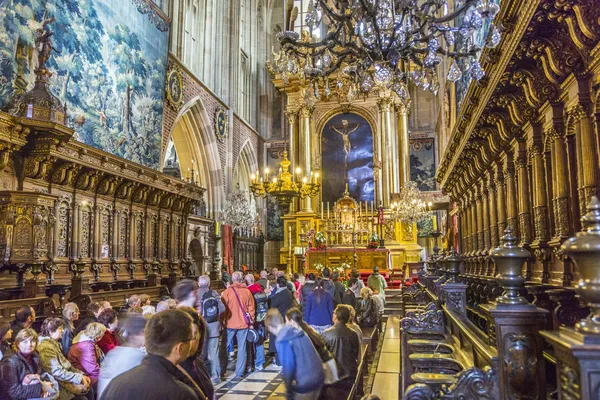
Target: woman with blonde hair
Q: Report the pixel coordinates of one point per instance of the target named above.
(85, 354)
(368, 315)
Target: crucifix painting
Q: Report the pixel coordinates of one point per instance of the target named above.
(347, 158)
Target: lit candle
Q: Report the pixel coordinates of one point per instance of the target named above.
(328, 211)
(216, 228)
(434, 222)
(267, 173)
(321, 210)
(253, 178)
(317, 177)
(312, 177)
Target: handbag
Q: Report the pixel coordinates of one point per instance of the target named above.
(252, 336)
(331, 372)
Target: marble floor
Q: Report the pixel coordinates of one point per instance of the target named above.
(387, 373)
(265, 384)
(268, 384)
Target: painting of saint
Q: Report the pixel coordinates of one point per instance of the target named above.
(347, 158)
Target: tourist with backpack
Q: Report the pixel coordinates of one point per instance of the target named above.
(210, 307)
(261, 305)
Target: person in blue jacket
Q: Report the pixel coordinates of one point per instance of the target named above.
(318, 309)
(302, 367)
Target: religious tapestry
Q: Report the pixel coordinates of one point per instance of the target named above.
(108, 66)
(422, 163)
(347, 158)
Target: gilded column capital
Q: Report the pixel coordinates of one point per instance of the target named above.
(577, 112)
(536, 149)
(292, 117)
(402, 106)
(305, 111)
(554, 133)
(385, 103)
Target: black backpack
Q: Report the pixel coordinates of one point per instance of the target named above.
(210, 307)
(262, 306)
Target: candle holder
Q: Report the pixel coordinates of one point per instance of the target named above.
(584, 250)
(509, 259)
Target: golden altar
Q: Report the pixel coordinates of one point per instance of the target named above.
(366, 259)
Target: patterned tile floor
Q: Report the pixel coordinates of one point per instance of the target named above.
(266, 384)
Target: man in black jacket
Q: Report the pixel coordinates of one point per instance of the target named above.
(349, 298)
(328, 284)
(169, 336)
(343, 344)
(24, 318)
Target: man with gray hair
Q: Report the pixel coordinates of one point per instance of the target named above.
(210, 307)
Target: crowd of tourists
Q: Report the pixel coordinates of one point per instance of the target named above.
(180, 348)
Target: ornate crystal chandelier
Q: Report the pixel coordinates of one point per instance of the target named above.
(238, 213)
(283, 187)
(364, 45)
(409, 205)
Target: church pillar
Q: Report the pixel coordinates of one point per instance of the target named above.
(511, 194)
(388, 171)
(305, 149)
(540, 204)
(292, 120)
(486, 215)
(501, 200)
(479, 219)
(524, 204)
(403, 142)
(493, 211)
(473, 207)
(560, 176)
(589, 149)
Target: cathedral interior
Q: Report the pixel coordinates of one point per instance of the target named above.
(452, 144)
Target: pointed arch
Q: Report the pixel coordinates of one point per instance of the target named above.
(197, 149)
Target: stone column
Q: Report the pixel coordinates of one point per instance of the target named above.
(524, 203)
(388, 175)
(305, 149)
(501, 200)
(493, 211)
(403, 142)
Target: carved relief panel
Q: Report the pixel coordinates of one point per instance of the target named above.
(123, 234)
(85, 226)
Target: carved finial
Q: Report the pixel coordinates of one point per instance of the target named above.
(591, 220)
(584, 250)
(509, 240)
(509, 259)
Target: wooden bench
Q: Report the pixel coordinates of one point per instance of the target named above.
(44, 307)
(363, 366)
(370, 338)
(118, 298)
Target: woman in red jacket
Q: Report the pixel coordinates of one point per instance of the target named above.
(110, 340)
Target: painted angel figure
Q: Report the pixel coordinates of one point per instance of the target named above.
(346, 132)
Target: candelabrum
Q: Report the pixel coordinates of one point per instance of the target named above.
(509, 259)
(284, 187)
(367, 46)
(584, 250)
